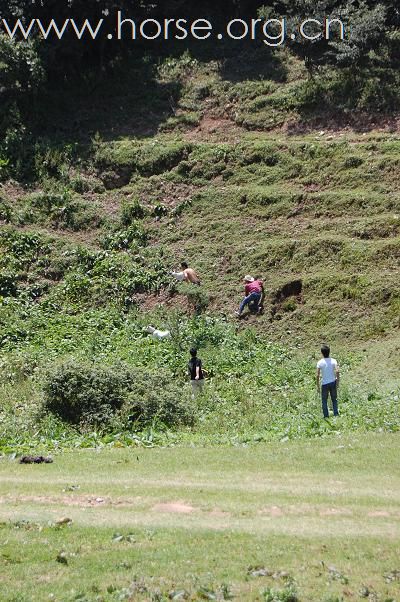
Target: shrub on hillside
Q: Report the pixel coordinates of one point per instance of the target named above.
(95, 393)
(75, 391)
(131, 211)
(198, 300)
(121, 240)
(157, 397)
(8, 284)
(5, 210)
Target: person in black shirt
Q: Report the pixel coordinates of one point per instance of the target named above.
(196, 373)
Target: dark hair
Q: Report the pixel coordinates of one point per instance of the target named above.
(193, 352)
(184, 264)
(325, 350)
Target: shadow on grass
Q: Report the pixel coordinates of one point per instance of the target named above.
(128, 102)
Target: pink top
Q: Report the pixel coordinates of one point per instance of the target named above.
(253, 287)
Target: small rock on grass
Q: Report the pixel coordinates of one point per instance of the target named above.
(63, 521)
(281, 575)
(62, 558)
(35, 460)
(117, 537)
(392, 576)
(259, 571)
(180, 594)
(206, 594)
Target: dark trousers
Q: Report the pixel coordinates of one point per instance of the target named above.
(252, 300)
(329, 389)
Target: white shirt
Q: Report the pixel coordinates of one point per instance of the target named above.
(178, 275)
(328, 367)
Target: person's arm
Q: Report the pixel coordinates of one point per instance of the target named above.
(337, 373)
(318, 378)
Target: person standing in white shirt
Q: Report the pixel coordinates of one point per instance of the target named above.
(328, 371)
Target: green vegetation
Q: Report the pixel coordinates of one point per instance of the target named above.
(304, 521)
(88, 243)
(115, 167)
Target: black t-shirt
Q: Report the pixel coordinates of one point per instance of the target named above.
(192, 365)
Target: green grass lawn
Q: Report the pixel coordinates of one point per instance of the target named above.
(321, 517)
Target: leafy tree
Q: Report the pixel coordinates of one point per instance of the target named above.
(369, 27)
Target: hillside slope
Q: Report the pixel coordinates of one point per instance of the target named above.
(240, 175)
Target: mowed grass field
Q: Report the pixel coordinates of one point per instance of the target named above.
(315, 521)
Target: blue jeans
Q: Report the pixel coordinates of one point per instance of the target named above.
(252, 301)
(329, 389)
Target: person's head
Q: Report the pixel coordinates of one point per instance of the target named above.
(184, 265)
(325, 350)
(248, 279)
(193, 352)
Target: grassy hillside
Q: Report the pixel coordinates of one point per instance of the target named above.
(236, 168)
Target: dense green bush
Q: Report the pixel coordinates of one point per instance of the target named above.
(8, 284)
(120, 240)
(79, 392)
(5, 209)
(131, 211)
(198, 300)
(157, 397)
(76, 391)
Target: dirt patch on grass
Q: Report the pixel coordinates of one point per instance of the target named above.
(164, 299)
(335, 512)
(304, 510)
(170, 194)
(286, 298)
(213, 128)
(13, 190)
(378, 513)
(272, 511)
(82, 501)
(174, 507)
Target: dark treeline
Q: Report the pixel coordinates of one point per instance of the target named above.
(29, 69)
(372, 26)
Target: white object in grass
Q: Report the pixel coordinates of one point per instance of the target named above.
(158, 335)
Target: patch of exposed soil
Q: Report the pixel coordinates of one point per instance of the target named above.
(215, 129)
(379, 513)
(174, 507)
(66, 500)
(13, 190)
(289, 290)
(167, 193)
(149, 302)
(334, 512)
(272, 511)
